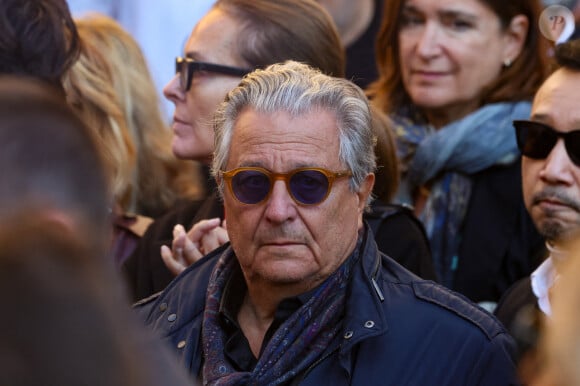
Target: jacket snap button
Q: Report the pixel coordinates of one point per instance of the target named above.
(162, 307)
(348, 335)
(369, 324)
(172, 317)
(181, 344)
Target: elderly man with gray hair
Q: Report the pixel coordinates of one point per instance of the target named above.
(301, 294)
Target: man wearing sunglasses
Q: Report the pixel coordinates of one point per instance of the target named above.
(233, 38)
(301, 294)
(550, 146)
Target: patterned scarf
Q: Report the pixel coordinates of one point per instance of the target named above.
(297, 343)
(444, 159)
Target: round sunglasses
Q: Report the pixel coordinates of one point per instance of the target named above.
(306, 186)
(536, 140)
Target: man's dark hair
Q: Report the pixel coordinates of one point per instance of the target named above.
(49, 158)
(37, 38)
(70, 328)
(568, 54)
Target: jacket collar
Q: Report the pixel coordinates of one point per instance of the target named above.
(365, 316)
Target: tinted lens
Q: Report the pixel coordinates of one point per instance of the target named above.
(309, 186)
(572, 141)
(535, 140)
(250, 186)
(183, 77)
(180, 71)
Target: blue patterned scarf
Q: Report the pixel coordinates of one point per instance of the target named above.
(297, 343)
(444, 159)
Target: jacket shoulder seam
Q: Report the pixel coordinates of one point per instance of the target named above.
(459, 305)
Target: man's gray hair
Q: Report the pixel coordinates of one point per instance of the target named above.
(298, 89)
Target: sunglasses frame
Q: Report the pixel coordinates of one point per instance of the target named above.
(523, 125)
(273, 177)
(195, 66)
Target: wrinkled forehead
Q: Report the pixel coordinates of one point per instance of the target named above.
(306, 139)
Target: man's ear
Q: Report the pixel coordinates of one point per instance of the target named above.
(366, 188)
(514, 38)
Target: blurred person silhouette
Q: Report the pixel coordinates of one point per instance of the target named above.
(195, 94)
(39, 39)
(452, 108)
(73, 194)
(358, 24)
(160, 27)
(68, 326)
(301, 294)
(111, 89)
(550, 145)
(68, 322)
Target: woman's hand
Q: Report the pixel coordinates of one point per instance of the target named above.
(187, 248)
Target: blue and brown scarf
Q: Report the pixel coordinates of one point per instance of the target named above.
(444, 159)
(298, 342)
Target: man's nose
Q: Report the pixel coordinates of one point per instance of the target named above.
(280, 205)
(558, 165)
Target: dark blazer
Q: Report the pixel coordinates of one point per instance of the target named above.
(144, 270)
(500, 243)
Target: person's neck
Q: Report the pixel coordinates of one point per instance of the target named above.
(558, 251)
(443, 116)
(353, 19)
(263, 298)
(254, 321)
(259, 308)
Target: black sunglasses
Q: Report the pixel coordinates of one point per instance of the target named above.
(186, 67)
(536, 140)
(307, 186)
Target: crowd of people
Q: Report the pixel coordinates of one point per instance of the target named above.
(349, 192)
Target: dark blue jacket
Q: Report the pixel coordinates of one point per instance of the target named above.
(398, 329)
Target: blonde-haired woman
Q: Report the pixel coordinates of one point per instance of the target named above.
(111, 88)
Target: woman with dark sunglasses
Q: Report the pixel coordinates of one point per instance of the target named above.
(453, 75)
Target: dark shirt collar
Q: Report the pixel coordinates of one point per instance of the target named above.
(237, 349)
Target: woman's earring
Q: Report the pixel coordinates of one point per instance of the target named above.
(507, 62)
